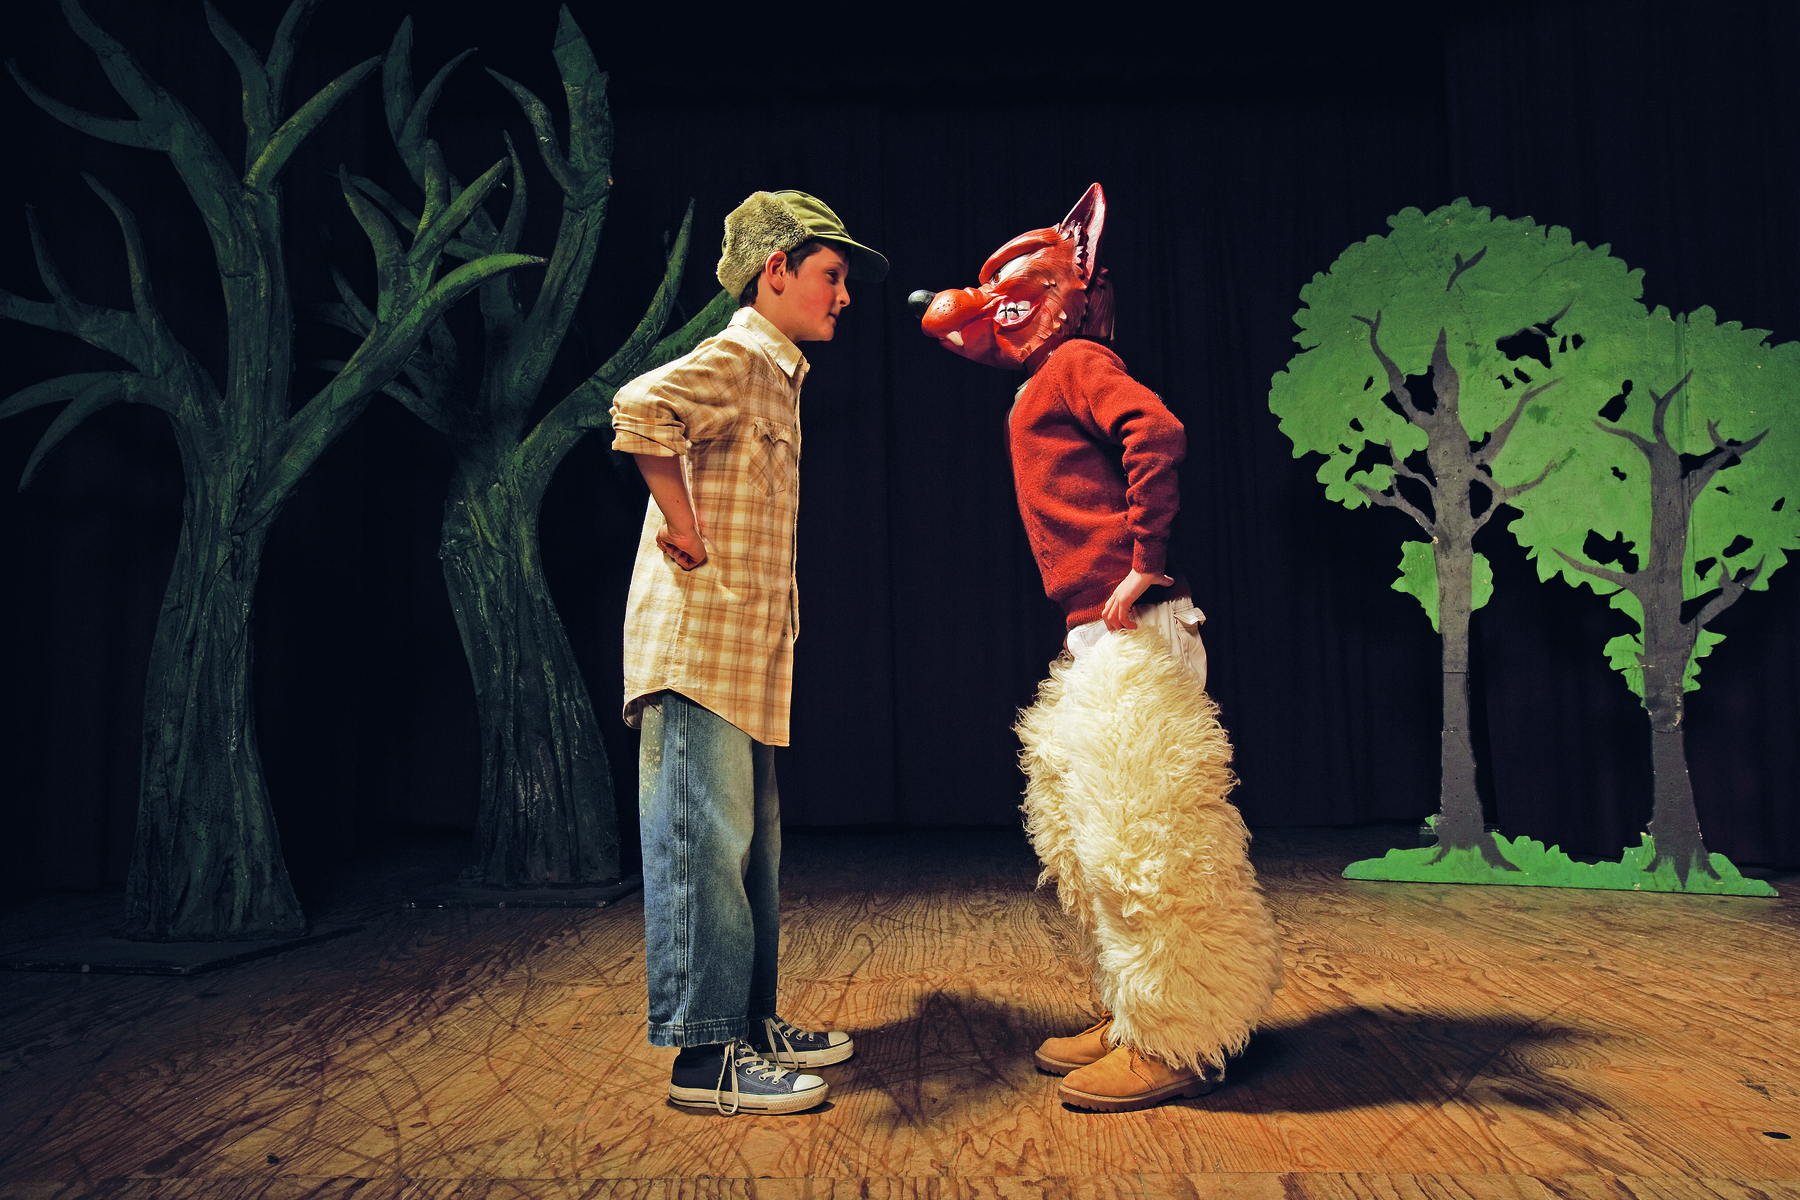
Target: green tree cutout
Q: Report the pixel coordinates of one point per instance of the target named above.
(206, 863)
(1692, 470)
(1405, 384)
(546, 814)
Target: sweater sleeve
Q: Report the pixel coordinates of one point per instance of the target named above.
(1115, 408)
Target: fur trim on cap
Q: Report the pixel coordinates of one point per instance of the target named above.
(754, 230)
(1127, 775)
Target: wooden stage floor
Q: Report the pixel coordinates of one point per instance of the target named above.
(1430, 1042)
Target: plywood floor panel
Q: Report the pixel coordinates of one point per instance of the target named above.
(1430, 1042)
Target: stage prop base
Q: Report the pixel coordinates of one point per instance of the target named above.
(1428, 838)
(120, 956)
(1541, 867)
(601, 895)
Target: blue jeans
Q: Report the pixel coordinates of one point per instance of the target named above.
(710, 821)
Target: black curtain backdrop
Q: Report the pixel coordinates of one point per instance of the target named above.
(1240, 155)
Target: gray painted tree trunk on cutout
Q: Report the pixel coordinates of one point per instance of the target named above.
(1453, 466)
(1668, 646)
(1459, 823)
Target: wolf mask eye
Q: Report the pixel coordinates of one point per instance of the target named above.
(1012, 268)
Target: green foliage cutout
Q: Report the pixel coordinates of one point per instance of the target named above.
(1654, 458)
(1424, 353)
(1419, 579)
(1679, 494)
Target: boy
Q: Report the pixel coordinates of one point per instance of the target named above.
(1126, 765)
(709, 642)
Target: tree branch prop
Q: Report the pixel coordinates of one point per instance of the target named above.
(1659, 414)
(1406, 472)
(1644, 444)
(548, 149)
(87, 394)
(589, 405)
(1618, 578)
(1462, 266)
(281, 146)
(1395, 379)
(1723, 452)
(1497, 439)
(1502, 495)
(106, 328)
(281, 53)
(623, 364)
(1731, 590)
(1396, 500)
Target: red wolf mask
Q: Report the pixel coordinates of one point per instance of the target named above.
(1036, 292)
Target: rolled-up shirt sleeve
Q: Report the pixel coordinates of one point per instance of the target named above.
(668, 411)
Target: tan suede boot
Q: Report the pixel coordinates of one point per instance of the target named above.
(1125, 1081)
(1059, 1056)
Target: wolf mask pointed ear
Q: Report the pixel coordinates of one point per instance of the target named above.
(1084, 225)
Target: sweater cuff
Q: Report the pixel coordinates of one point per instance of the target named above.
(1149, 555)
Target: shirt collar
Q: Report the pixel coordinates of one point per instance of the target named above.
(774, 343)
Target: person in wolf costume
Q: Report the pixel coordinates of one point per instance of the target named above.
(1127, 768)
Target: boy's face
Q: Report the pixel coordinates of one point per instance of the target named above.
(805, 304)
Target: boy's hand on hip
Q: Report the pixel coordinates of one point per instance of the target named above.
(1117, 611)
(687, 549)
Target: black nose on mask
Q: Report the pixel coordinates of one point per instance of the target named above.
(919, 301)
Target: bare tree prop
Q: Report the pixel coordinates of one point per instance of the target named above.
(546, 814)
(206, 863)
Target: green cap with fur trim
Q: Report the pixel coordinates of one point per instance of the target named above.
(771, 221)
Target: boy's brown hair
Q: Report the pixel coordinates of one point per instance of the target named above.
(795, 257)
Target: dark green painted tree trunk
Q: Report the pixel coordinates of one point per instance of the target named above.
(206, 863)
(546, 814)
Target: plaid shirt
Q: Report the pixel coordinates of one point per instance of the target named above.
(722, 634)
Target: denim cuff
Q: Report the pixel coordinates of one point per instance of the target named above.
(696, 1033)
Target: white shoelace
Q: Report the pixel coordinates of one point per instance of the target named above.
(778, 1032)
(736, 1050)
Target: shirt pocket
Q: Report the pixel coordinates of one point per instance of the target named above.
(772, 456)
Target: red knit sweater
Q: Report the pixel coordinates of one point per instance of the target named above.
(1093, 457)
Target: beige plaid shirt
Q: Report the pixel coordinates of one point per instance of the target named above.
(722, 634)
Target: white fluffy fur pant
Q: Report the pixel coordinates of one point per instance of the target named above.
(1127, 777)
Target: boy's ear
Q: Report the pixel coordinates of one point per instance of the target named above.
(775, 267)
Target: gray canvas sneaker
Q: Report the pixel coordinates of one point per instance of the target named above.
(791, 1046)
(734, 1078)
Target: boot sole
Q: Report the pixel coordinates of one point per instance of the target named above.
(710, 1098)
(1186, 1089)
(1056, 1066)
